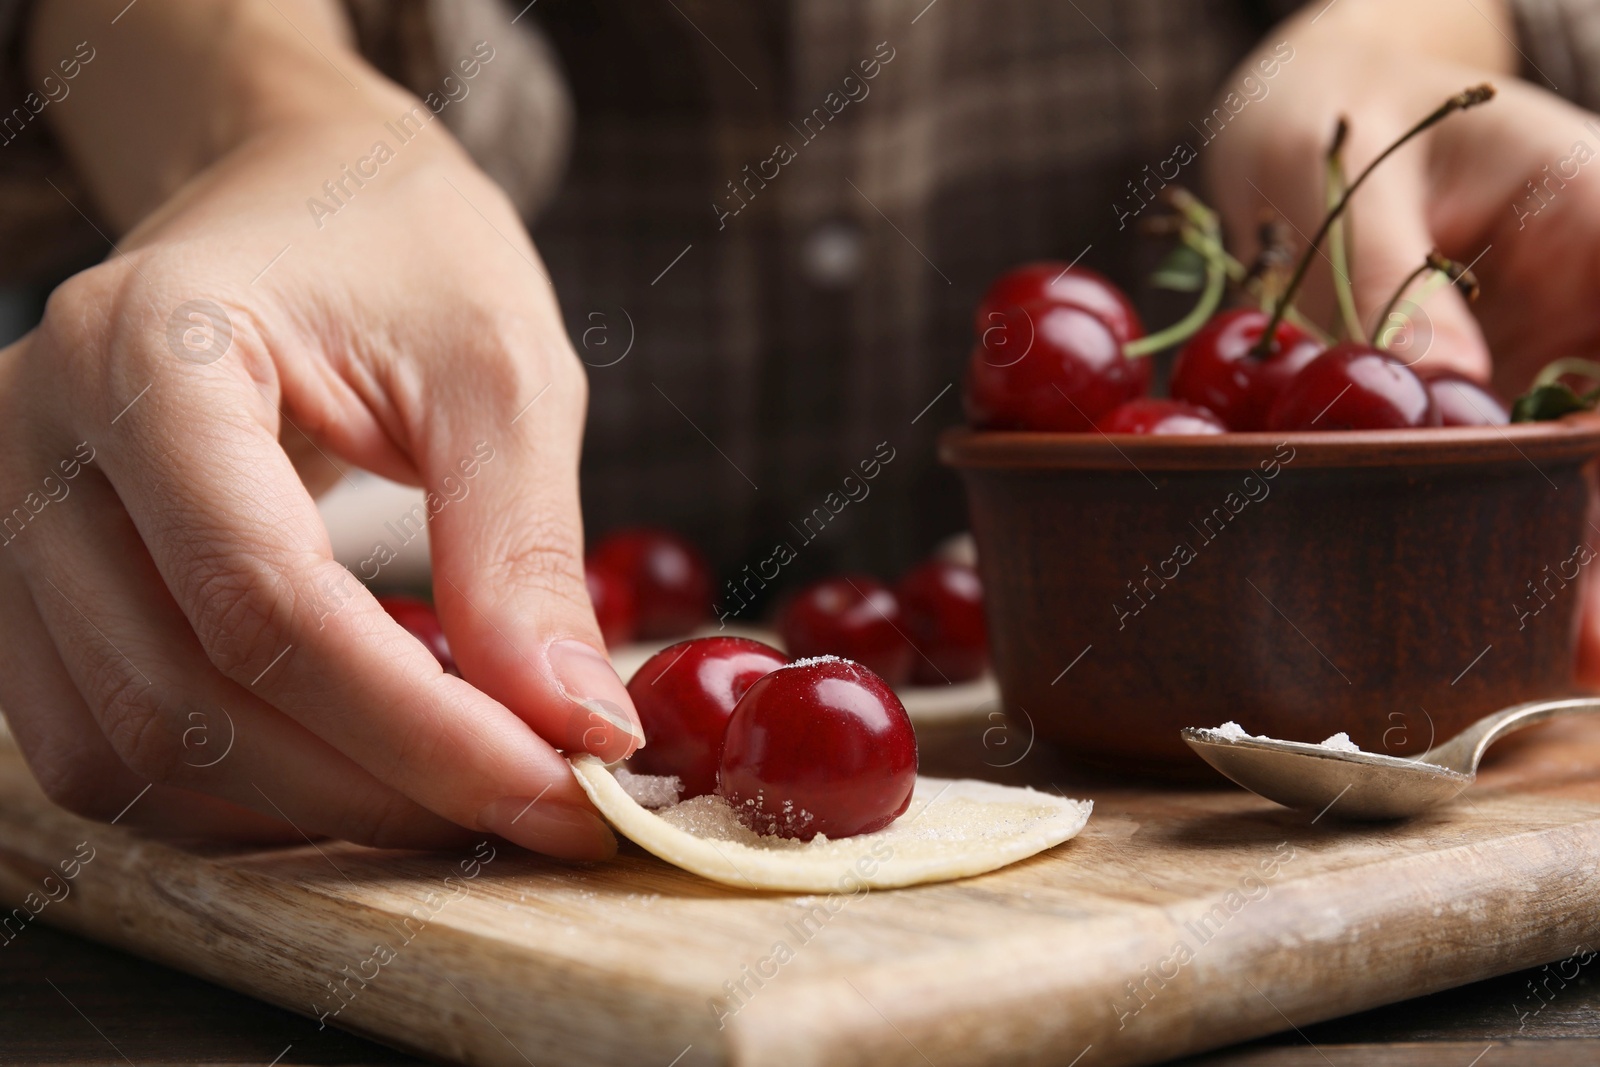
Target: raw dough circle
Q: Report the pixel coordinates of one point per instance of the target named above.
(954, 828)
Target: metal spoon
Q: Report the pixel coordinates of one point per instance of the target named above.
(1367, 785)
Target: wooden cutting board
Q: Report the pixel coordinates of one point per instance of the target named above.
(1178, 921)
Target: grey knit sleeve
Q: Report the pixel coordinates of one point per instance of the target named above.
(489, 74)
(1559, 41)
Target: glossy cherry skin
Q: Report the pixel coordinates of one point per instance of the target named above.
(1151, 416)
(1464, 402)
(943, 605)
(685, 694)
(1353, 386)
(852, 616)
(819, 747)
(1052, 282)
(1049, 367)
(1214, 369)
(614, 607)
(670, 579)
(422, 622)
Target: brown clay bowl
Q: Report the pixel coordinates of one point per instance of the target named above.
(1395, 585)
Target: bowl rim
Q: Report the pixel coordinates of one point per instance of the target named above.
(1573, 437)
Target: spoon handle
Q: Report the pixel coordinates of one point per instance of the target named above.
(1463, 751)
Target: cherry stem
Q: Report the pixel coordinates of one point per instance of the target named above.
(1238, 273)
(1560, 368)
(1212, 249)
(1460, 102)
(1380, 330)
(1338, 254)
(1267, 270)
(1210, 229)
(1445, 272)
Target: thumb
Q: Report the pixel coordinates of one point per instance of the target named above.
(1390, 240)
(501, 472)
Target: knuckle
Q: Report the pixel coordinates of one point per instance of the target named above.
(131, 719)
(515, 357)
(122, 323)
(73, 332)
(539, 556)
(76, 313)
(241, 613)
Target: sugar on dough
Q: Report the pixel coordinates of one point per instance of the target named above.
(954, 828)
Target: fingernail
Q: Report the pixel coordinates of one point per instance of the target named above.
(550, 827)
(606, 722)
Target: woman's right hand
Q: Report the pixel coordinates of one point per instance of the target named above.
(174, 619)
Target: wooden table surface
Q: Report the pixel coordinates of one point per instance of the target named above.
(66, 1001)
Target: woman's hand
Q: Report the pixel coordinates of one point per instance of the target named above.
(1463, 187)
(222, 364)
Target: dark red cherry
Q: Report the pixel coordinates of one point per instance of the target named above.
(1060, 283)
(614, 606)
(1353, 386)
(421, 622)
(1464, 402)
(1149, 415)
(943, 605)
(1049, 367)
(1214, 369)
(671, 581)
(852, 616)
(819, 747)
(685, 694)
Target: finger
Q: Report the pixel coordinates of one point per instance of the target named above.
(500, 459)
(1390, 239)
(238, 541)
(1388, 233)
(71, 759)
(167, 712)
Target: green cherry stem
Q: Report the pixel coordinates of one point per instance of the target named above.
(1338, 251)
(1210, 246)
(1442, 272)
(1383, 329)
(1216, 282)
(1238, 273)
(1467, 98)
(1560, 368)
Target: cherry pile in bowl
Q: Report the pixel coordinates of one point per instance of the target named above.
(1061, 349)
(814, 746)
(1049, 364)
(926, 630)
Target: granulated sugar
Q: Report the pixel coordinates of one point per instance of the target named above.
(814, 660)
(1340, 742)
(713, 818)
(951, 829)
(1232, 731)
(650, 790)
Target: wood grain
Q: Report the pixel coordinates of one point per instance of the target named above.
(633, 962)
